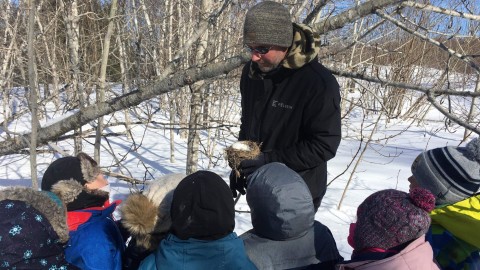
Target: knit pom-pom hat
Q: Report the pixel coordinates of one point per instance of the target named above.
(390, 218)
(452, 174)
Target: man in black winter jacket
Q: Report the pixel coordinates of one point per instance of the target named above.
(290, 102)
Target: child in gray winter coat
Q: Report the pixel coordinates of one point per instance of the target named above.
(285, 234)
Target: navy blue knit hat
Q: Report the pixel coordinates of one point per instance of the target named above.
(452, 174)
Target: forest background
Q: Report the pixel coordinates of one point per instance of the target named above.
(151, 87)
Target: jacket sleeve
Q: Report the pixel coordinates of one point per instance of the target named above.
(320, 134)
(100, 257)
(98, 246)
(148, 263)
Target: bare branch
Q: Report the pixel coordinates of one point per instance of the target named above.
(448, 12)
(87, 114)
(309, 19)
(465, 58)
(402, 85)
(433, 101)
(351, 15)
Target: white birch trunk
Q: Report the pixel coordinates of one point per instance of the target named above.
(148, 22)
(73, 46)
(5, 74)
(195, 122)
(32, 79)
(125, 81)
(102, 77)
(51, 58)
(169, 41)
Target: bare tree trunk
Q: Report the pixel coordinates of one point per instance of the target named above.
(50, 46)
(125, 81)
(171, 102)
(102, 77)
(181, 105)
(10, 38)
(172, 131)
(32, 78)
(73, 46)
(155, 60)
(196, 100)
(194, 126)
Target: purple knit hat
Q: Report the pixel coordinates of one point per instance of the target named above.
(389, 218)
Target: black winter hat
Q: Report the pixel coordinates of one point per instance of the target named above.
(67, 176)
(202, 207)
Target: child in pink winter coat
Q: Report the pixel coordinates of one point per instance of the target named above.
(390, 232)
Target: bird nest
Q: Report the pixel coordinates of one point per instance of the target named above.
(240, 151)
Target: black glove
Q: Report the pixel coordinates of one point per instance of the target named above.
(248, 166)
(237, 184)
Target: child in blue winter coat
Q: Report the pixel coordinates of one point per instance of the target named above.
(201, 236)
(95, 240)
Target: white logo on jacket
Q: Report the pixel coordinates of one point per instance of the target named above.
(276, 104)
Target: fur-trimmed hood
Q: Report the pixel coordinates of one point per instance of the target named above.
(304, 49)
(147, 215)
(76, 196)
(46, 203)
(67, 177)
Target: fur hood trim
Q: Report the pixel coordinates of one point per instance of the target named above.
(67, 190)
(147, 215)
(55, 213)
(89, 167)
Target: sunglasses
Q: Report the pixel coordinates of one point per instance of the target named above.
(258, 49)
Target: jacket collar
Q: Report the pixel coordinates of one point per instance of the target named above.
(79, 217)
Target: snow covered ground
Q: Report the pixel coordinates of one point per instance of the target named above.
(384, 164)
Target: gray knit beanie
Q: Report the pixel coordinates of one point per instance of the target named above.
(452, 174)
(268, 23)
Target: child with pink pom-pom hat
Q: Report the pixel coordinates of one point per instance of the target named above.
(390, 231)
